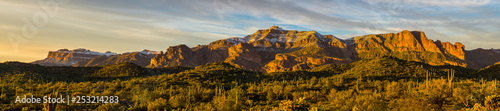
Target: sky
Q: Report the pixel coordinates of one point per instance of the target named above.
(31, 28)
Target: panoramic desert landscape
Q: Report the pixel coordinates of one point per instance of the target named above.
(233, 55)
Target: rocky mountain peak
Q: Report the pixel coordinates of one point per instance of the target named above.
(63, 50)
(83, 51)
(270, 37)
(149, 52)
(275, 28)
(181, 48)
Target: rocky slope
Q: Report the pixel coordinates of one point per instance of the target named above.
(276, 49)
(65, 57)
(272, 49)
(490, 72)
(409, 45)
(481, 58)
(141, 58)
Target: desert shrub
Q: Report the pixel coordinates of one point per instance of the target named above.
(159, 104)
(109, 107)
(492, 102)
(178, 101)
(297, 105)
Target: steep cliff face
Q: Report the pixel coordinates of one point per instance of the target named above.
(306, 58)
(182, 55)
(278, 39)
(245, 56)
(174, 56)
(65, 57)
(456, 49)
(414, 46)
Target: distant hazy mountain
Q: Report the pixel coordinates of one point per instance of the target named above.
(480, 58)
(141, 58)
(277, 49)
(65, 57)
(84, 57)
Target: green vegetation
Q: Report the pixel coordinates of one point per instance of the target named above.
(385, 83)
(491, 72)
(313, 51)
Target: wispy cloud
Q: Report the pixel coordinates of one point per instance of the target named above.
(445, 3)
(124, 26)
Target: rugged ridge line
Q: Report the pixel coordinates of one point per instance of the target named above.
(65, 57)
(276, 49)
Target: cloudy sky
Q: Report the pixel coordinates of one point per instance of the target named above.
(31, 28)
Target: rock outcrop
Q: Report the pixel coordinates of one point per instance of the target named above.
(182, 55)
(409, 45)
(142, 58)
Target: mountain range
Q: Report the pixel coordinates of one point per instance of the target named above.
(87, 58)
(276, 49)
